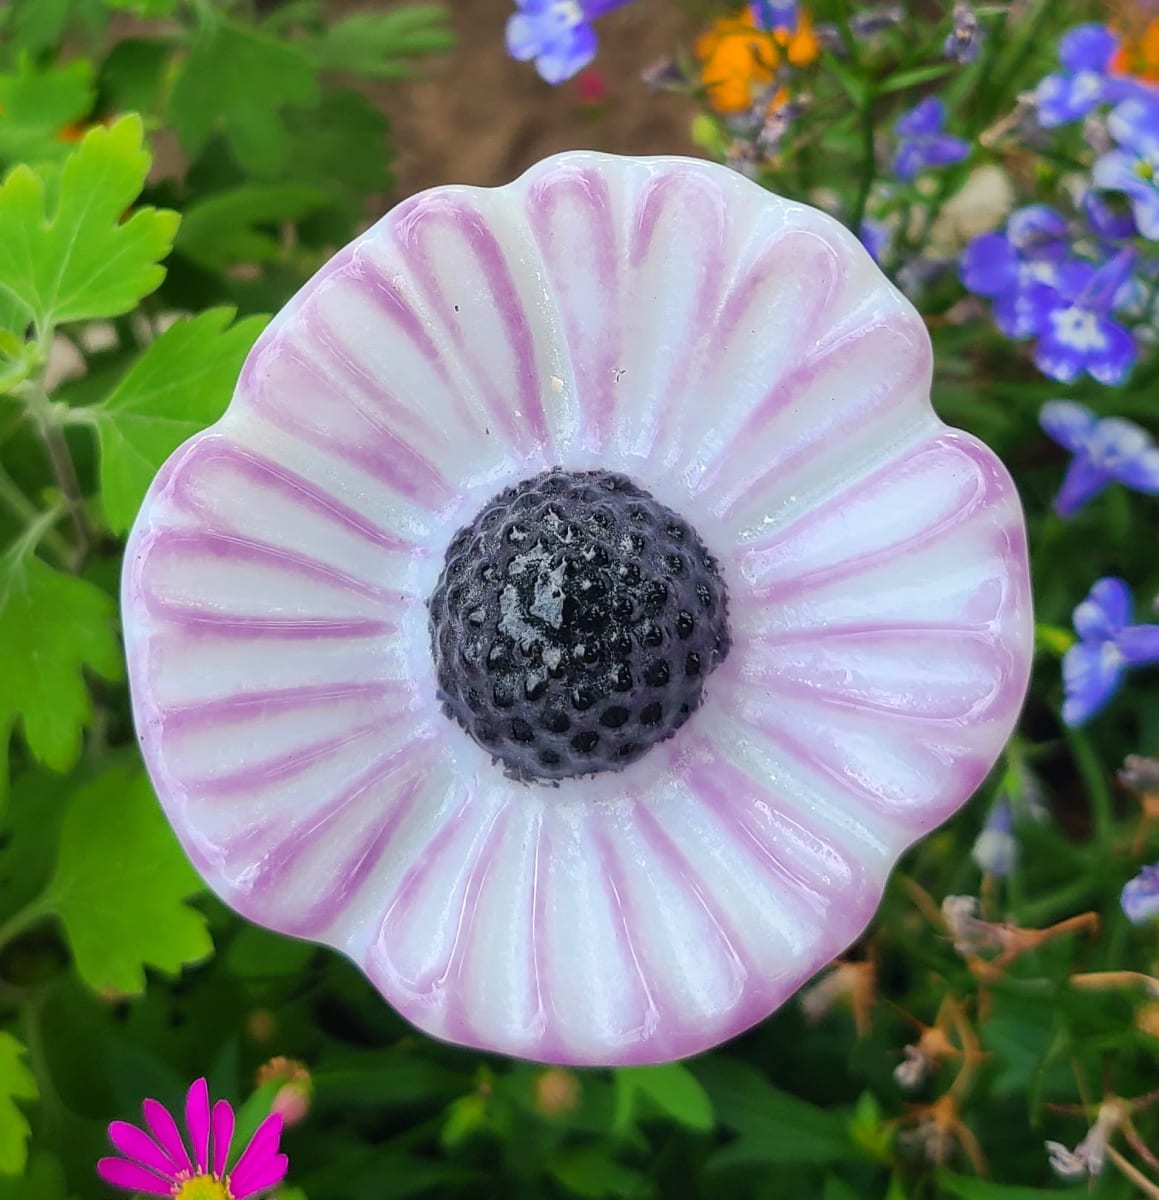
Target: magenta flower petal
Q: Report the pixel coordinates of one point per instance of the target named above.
(260, 1160)
(743, 360)
(268, 1174)
(222, 1123)
(133, 1143)
(197, 1122)
(164, 1129)
(133, 1177)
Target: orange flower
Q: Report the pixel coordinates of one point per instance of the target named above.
(1138, 53)
(739, 60)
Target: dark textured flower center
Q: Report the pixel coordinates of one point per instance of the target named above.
(574, 624)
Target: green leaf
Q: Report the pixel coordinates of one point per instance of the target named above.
(36, 105)
(774, 1126)
(180, 384)
(341, 144)
(37, 24)
(868, 1130)
(28, 837)
(394, 1077)
(837, 1189)
(1051, 639)
(43, 1180)
(465, 1117)
(671, 1088)
(916, 76)
(16, 1083)
(240, 225)
(145, 8)
(378, 45)
(132, 74)
(121, 884)
(592, 1171)
(237, 80)
(52, 626)
(852, 83)
(968, 1188)
(80, 260)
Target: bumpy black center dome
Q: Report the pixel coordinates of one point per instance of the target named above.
(575, 623)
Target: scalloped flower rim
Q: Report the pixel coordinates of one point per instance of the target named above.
(743, 359)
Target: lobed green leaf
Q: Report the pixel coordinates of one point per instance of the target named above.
(53, 627)
(120, 887)
(16, 1083)
(73, 257)
(178, 386)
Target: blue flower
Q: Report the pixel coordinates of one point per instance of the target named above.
(1004, 265)
(774, 15)
(876, 237)
(1110, 219)
(1071, 318)
(964, 41)
(1132, 168)
(1140, 898)
(1070, 94)
(923, 143)
(1093, 668)
(557, 34)
(1111, 450)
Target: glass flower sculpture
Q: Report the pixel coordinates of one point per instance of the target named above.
(578, 609)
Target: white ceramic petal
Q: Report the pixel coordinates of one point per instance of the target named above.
(743, 359)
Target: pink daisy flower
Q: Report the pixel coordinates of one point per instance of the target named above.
(160, 1165)
(579, 609)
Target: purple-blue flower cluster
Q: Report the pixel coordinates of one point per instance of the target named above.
(1131, 167)
(1110, 450)
(1094, 667)
(1140, 898)
(1084, 81)
(557, 34)
(1042, 289)
(923, 143)
(774, 15)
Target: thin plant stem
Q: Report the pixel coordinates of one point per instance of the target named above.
(23, 508)
(868, 167)
(23, 920)
(1095, 779)
(1127, 1168)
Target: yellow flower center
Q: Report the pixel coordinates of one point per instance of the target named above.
(203, 1187)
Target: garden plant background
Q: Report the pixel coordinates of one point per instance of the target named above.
(175, 169)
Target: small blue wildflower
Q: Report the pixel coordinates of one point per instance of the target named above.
(996, 848)
(774, 15)
(1071, 318)
(1132, 168)
(1109, 218)
(1070, 94)
(1140, 898)
(1111, 450)
(923, 143)
(876, 238)
(557, 34)
(1093, 668)
(1004, 265)
(964, 41)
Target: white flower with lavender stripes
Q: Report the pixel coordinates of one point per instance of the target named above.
(578, 609)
